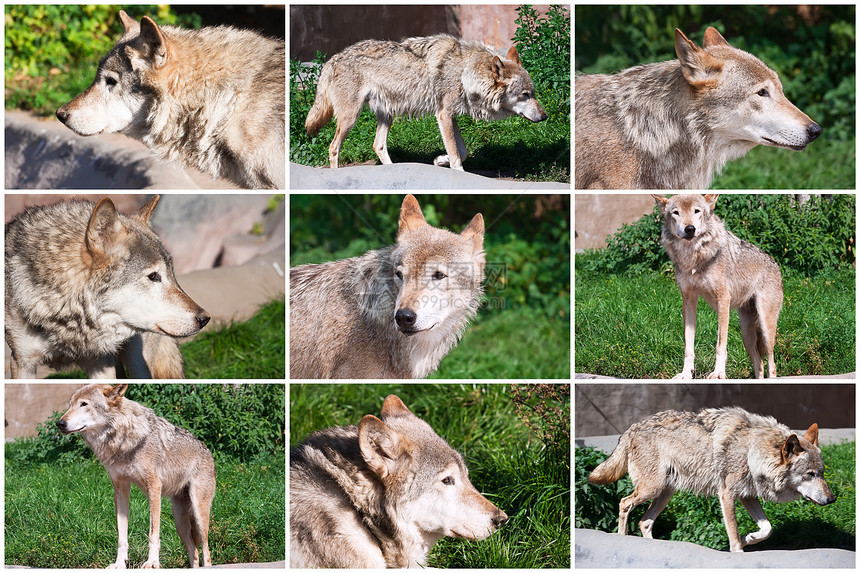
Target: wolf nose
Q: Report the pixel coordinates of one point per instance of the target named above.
(63, 115)
(689, 231)
(61, 424)
(202, 319)
(405, 318)
(813, 131)
(500, 519)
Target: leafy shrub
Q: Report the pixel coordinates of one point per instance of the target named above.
(238, 421)
(806, 239)
(51, 51)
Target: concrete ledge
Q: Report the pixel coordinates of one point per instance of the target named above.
(600, 550)
(404, 176)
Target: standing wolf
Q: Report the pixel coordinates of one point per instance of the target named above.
(212, 98)
(727, 452)
(437, 74)
(137, 447)
(380, 494)
(728, 273)
(671, 125)
(391, 313)
(87, 285)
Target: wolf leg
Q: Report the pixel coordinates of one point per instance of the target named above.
(380, 142)
(641, 494)
(153, 492)
(658, 504)
(181, 504)
(688, 309)
(723, 301)
(452, 139)
(753, 507)
(748, 318)
(121, 493)
(727, 504)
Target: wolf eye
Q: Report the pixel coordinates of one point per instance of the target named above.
(448, 480)
(110, 81)
(763, 93)
(83, 404)
(398, 274)
(154, 277)
(439, 275)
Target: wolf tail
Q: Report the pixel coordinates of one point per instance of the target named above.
(322, 110)
(615, 466)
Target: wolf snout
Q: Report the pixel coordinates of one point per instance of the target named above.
(689, 232)
(63, 426)
(405, 318)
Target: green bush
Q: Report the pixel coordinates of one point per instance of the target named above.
(805, 239)
(240, 422)
(52, 51)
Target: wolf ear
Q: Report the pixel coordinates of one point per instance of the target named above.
(475, 231)
(103, 231)
(155, 48)
(114, 395)
(500, 72)
(790, 449)
(381, 447)
(811, 434)
(514, 56)
(711, 200)
(700, 69)
(131, 26)
(411, 216)
(660, 200)
(714, 38)
(394, 406)
(145, 212)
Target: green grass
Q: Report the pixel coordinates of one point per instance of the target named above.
(796, 525)
(251, 349)
(518, 343)
(506, 462)
(62, 515)
(823, 165)
(631, 327)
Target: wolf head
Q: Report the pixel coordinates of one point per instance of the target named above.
(426, 483)
(137, 272)
(803, 468)
(437, 273)
(518, 96)
(744, 96)
(686, 216)
(89, 407)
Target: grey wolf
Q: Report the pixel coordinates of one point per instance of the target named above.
(390, 313)
(211, 98)
(380, 494)
(671, 125)
(727, 452)
(137, 447)
(712, 263)
(418, 76)
(87, 285)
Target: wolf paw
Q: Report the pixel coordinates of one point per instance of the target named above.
(442, 161)
(117, 565)
(683, 376)
(717, 375)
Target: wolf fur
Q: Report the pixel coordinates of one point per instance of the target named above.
(391, 313)
(210, 98)
(380, 494)
(712, 263)
(727, 452)
(418, 76)
(137, 447)
(87, 285)
(672, 125)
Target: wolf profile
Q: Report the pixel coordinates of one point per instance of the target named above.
(390, 313)
(211, 98)
(137, 447)
(727, 452)
(436, 74)
(87, 285)
(381, 494)
(712, 263)
(672, 125)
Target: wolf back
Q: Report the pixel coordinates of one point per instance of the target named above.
(212, 98)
